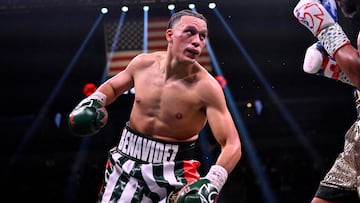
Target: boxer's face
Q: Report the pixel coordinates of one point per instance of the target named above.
(188, 37)
(349, 7)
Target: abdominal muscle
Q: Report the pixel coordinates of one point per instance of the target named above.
(174, 128)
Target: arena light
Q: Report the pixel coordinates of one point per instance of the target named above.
(114, 44)
(212, 5)
(125, 8)
(104, 10)
(191, 6)
(171, 7)
(146, 25)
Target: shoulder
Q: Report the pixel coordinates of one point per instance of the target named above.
(207, 78)
(144, 60)
(149, 57)
(210, 89)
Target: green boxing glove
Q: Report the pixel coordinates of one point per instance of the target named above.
(200, 191)
(89, 116)
(204, 190)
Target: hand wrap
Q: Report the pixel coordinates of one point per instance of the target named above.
(333, 38)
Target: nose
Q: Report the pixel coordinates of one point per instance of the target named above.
(196, 41)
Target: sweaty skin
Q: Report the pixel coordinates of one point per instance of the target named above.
(175, 95)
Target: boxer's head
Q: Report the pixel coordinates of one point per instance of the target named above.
(349, 7)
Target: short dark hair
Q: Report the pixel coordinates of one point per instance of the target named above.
(186, 12)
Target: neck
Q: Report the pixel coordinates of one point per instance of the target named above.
(177, 69)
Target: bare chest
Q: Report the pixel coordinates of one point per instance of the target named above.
(171, 100)
(167, 108)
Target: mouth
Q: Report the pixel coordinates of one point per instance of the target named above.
(192, 52)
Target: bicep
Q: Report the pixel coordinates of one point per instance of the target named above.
(118, 84)
(121, 82)
(220, 120)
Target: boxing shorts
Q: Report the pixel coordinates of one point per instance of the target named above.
(342, 182)
(144, 169)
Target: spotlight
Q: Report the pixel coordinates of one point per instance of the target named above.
(104, 10)
(258, 106)
(125, 8)
(212, 5)
(146, 8)
(191, 6)
(171, 7)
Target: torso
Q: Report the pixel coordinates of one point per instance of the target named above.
(171, 109)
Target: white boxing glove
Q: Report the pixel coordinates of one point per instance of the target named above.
(317, 61)
(313, 15)
(331, 8)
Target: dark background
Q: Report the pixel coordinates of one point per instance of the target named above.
(296, 137)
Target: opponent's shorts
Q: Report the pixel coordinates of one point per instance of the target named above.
(342, 182)
(144, 169)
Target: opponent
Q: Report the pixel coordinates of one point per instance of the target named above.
(334, 57)
(155, 159)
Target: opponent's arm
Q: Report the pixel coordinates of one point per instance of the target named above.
(318, 61)
(316, 18)
(348, 59)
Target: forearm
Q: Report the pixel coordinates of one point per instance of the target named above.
(348, 59)
(113, 89)
(229, 156)
(109, 92)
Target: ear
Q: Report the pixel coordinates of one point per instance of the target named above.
(169, 35)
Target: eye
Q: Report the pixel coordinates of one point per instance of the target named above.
(202, 36)
(190, 32)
